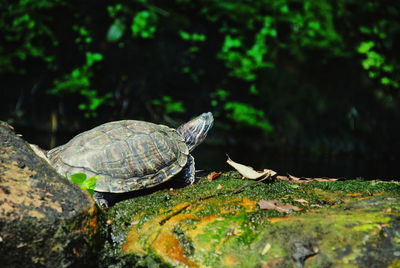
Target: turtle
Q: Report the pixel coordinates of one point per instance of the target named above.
(130, 155)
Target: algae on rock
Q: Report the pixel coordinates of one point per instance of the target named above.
(341, 223)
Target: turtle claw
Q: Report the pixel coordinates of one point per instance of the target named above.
(100, 199)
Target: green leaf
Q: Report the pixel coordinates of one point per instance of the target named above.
(156, 102)
(230, 42)
(76, 73)
(82, 106)
(192, 37)
(364, 47)
(89, 184)
(385, 81)
(144, 24)
(365, 30)
(284, 9)
(388, 68)
(314, 25)
(221, 94)
(78, 178)
(169, 105)
(184, 35)
(246, 114)
(253, 90)
(83, 31)
(91, 58)
(167, 98)
(175, 107)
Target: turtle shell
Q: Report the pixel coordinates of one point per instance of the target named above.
(124, 155)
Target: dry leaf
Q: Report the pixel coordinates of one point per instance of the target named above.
(266, 248)
(249, 172)
(353, 194)
(302, 201)
(277, 205)
(323, 179)
(213, 175)
(219, 187)
(294, 179)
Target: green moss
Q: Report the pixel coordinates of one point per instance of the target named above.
(358, 185)
(210, 225)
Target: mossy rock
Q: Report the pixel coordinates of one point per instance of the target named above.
(45, 220)
(351, 223)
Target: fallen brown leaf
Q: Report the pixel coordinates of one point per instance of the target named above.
(249, 172)
(302, 201)
(353, 194)
(213, 175)
(277, 205)
(295, 179)
(324, 179)
(266, 248)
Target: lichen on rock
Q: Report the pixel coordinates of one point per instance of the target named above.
(45, 220)
(337, 223)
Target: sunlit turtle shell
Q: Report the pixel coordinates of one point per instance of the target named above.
(124, 155)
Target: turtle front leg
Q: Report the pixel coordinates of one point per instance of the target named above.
(189, 171)
(102, 199)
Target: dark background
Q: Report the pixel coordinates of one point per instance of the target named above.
(309, 88)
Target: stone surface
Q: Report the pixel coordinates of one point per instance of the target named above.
(339, 224)
(45, 220)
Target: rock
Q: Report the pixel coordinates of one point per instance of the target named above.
(335, 224)
(45, 220)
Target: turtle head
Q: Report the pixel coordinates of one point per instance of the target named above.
(195, 131)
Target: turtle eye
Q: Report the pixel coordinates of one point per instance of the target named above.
(191, 126)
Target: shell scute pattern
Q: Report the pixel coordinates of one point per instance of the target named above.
(134, 154)
(97, 141)
(144, 156)
(114, 160)
(162, 149)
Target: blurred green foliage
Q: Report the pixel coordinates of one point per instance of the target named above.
(79, 81)
(144, 24)
(169, 105)
(246, 114)
(299, 71)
